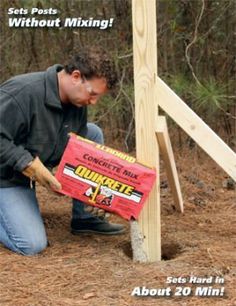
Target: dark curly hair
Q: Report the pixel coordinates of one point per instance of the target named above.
(93, 62)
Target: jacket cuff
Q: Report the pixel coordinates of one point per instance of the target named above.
(23, 162)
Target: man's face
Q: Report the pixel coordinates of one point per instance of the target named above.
(85, 92)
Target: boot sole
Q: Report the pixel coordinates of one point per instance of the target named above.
(77, 232)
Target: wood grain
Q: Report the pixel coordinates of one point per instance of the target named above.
(146, 111)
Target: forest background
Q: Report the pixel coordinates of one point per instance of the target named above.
(196, 57)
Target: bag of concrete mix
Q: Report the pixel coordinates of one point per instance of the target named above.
(104, 177)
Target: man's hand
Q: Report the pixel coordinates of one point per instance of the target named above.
(97, 212)
(36, 171)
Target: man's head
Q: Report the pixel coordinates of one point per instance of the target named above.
(86, 77)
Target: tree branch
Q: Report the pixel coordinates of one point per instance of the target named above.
(195, 37)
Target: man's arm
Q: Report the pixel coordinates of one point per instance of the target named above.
(13, 122)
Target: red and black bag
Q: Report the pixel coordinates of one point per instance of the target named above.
(104, 177)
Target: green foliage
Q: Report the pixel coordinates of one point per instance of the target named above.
(210, 97)
(180, 84)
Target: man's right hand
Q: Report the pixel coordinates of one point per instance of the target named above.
(36, 171)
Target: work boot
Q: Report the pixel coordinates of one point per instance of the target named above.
(95, 225)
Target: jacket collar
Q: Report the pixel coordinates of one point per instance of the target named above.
(51, 83)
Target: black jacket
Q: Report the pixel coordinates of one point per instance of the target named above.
(33, 122)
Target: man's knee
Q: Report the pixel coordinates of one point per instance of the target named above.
(32, 246)
(95, 133)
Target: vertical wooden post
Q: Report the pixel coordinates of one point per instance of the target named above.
(146, 112)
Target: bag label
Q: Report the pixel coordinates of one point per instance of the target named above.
(104, 177)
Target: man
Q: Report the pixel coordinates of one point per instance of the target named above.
(37, 111)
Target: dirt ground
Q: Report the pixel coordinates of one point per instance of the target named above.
(98, 270)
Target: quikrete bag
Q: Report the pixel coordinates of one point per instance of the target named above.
(104, 177)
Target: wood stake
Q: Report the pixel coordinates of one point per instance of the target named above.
(168, 157)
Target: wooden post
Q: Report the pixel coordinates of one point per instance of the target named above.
(146, 111)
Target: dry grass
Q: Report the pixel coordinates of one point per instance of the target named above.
(97, 270)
